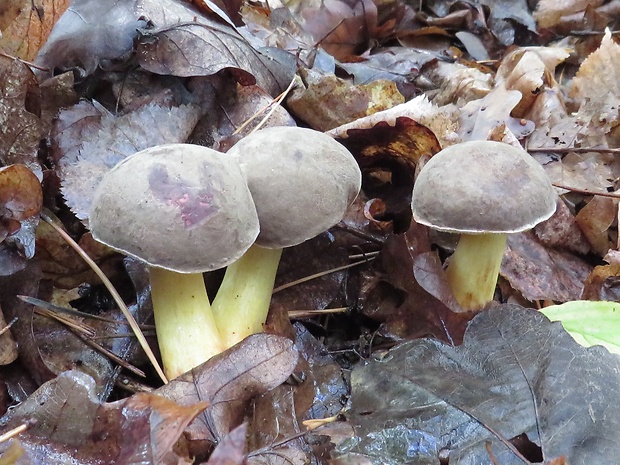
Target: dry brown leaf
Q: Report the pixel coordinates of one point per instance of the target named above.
(491, 116)
(549, 12)
(591, 171)
(541, 273)
(229, 380)
(595, 219)
(69, 425)
(530, 71)
(8, 346)
(26, 25)
(595, 85)
(185, 44)
(562, 232)
(602, 283)
(442, 121)
(456, 83)
(20, 126)
(328, 101)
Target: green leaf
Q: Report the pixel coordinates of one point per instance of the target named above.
(589, 322)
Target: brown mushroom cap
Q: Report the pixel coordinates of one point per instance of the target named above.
(481, 187)
(181, 207)
(302, 182)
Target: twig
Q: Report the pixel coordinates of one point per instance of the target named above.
(295, 314)
(8, 326)
(318, 275)
(71, 311)
(274, 104)
(50, 218)
(13, 432)
(573, 149)
(613, 195)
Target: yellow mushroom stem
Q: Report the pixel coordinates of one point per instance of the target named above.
(242, 302)
(474, 267)
(186, 329)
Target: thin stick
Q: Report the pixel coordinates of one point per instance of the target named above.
(71, 311)
(67, 321)
(613, 195)
(310, 313)
(318, 275)
(50, 218)
(8, 326)
(274, 104)
(14, 432)
(573, 149)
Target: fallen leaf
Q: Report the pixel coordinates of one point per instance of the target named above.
(541, 273)
(515, 373)
(89, 33)
(231, 449)
(327, 101)
(482, 117)
(530, 71)
(549, 12)
(388, 155)
(229, 381)
(602, 283)
(561, 231)
(68, 424)
(20, 126)
(595, 88)
(27, 24)
(595, 219)
(91, 141)
(409, 292)
(21, 197)
(8, 346)
(589, 322)
(186, 44)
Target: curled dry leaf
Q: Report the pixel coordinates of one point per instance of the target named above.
(602, 283)
(89, 32)
(456, 83)
(442, 121)
(68, 424)
(530, 71)
(595, 219)
(388, 155)
(549, 12)
(327, 101)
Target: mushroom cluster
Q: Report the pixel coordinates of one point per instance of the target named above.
(482, 190)
(186, 209)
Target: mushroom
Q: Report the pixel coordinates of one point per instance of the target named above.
(183, 209)
(482, 190)
(302, 182)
